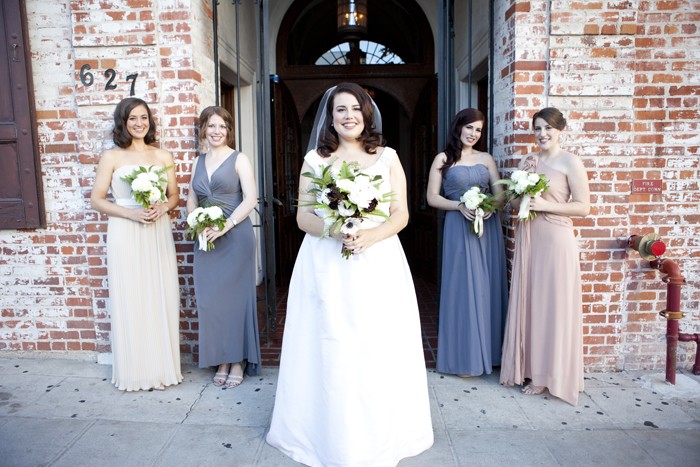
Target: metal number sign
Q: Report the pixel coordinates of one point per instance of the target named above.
(87, 78)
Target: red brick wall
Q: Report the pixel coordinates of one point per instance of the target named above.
(625, 74)
(60, 273)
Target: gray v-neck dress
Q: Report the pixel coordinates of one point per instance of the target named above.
(224, 278)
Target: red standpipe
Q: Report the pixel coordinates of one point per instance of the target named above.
(674, 281)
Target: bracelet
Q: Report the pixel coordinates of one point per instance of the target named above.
(233, 221)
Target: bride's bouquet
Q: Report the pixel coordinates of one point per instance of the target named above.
(480, 203)
(525, 185)
(345, 198)
(147, 184)
(200, 219)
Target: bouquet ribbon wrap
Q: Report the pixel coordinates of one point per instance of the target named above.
(203, 244)
(478, 222)
(524, 212)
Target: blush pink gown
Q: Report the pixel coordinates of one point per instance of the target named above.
(544, 337)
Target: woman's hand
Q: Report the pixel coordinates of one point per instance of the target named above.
(155, 211)
(337, 235)
(360, 240)
(140, 215)
(468, 213)
(212, 234)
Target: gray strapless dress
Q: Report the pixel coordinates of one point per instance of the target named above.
(224, 278)
(474, 287)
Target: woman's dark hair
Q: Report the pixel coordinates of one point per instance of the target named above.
(225, 115)
(120, 134)
(453, 148)
(552, 116)
(370, 138)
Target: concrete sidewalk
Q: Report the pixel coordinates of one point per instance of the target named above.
(66, 413)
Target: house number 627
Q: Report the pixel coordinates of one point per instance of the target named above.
(87, 78)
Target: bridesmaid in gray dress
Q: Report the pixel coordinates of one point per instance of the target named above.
(474, 287)
(224, 278)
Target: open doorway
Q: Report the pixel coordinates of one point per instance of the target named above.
(394, 61)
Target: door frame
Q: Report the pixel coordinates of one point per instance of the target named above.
(295, 76)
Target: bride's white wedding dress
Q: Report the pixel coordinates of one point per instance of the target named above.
(352, 387)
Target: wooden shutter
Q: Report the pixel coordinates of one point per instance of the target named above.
(20, 185)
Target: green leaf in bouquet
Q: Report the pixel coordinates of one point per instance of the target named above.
(346, 170)
(489, 203)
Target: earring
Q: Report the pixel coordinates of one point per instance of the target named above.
(331, 126)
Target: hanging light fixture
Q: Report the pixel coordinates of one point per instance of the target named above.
(352, 18)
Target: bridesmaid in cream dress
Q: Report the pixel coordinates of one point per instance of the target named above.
(144, 302)
(543, 341)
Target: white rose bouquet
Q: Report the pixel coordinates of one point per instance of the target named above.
(344, 198)
(200, 219)
(480, 203)
(147, 184)
(525, 185)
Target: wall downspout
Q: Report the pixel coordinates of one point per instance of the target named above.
(265, 182)
(548, 52)
(238, 78)
(471, 53)
(492, 13)
(446, 71)
(215, 28)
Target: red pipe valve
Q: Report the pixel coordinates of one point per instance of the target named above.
(649, 246)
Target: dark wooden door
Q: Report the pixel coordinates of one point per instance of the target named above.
(288, 158)
(422, 232)
(20, 193)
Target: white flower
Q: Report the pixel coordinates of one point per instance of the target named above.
(521, 186)
(192, 217)
(346, 185)
(152, 176)
(154, 195)
(351, 226)
(322, 197)
(141, 183)
(214, 212)
(519, 175)
(533, 178)
(345, 209)
(363, 193)
(472, 198)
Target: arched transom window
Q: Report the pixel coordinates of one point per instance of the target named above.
(359, 52)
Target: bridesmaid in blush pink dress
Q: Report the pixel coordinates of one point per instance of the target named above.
(543, 341)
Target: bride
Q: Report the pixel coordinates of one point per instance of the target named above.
(352, 386)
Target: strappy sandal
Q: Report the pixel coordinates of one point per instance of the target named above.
(532, 390)
(221, 377)
(233, 381)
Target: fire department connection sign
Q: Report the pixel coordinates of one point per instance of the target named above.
(646, 187)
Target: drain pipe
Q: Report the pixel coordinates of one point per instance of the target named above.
(674, 281)
(650, 247)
